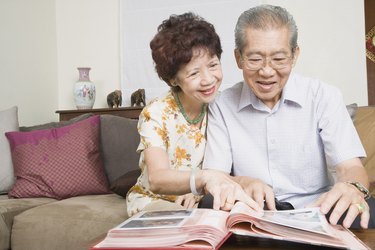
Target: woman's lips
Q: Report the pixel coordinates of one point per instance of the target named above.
(209, 91)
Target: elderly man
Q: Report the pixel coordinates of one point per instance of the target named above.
(279, 132)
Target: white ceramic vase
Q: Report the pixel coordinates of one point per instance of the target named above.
(84, 90)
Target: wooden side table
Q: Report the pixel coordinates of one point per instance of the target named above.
(127, 112)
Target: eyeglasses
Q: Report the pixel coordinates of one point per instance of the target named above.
(256, 62)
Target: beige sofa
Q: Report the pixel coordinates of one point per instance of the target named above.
(73, 223)
(364, 122)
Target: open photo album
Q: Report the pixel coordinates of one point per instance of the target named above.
(208, 229)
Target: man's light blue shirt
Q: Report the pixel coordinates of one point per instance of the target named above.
(289, 147)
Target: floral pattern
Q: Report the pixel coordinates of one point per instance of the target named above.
(161, 124)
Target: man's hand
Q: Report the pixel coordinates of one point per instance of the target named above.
(225, 191)
(344, 197)
(258, 190)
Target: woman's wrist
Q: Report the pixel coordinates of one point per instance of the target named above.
(195, 175)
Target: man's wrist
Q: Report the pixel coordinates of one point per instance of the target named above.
(361, 188)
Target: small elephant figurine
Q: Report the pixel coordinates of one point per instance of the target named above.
(138, 98)
(114, 99)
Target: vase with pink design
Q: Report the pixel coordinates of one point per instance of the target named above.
(84, 90)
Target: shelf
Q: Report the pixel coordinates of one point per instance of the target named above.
(127, 112)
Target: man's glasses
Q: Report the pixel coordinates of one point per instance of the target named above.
(256, 62)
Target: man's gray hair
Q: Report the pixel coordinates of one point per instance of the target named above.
(265, 17)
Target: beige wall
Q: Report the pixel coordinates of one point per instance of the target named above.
(42, 44)
(331, 38)
(28, 76)
(44, 41)
(87, 35)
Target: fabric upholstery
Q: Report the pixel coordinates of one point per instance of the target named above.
(9, 208)
(365, 125)
(122, 184)
(58, 163)
(68, 224)
(352, 110)
(55, 124)
(8, 122)
(119, 142)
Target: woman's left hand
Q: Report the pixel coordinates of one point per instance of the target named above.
(187, 201)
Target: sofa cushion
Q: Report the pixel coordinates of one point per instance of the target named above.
(365, 125)
(9, 208)
(68, 224)
(352, 110)
(56, 124)
(122, 184)
(119, 142)
(59, 162)
(8, 122)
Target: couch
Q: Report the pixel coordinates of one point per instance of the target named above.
(75, 222)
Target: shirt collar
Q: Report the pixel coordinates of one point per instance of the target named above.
(291, 92)
(289, 95)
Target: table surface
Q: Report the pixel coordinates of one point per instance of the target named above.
(252, 243)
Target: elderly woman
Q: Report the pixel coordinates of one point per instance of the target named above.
(186, 51)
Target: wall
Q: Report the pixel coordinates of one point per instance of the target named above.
(332, 42)
(136, 52)
(332, 46)
(44, 41)
(87, 35)
(28, 60)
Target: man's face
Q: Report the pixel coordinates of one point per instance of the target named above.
(266, 62)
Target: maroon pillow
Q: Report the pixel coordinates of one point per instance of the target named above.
(59, 162)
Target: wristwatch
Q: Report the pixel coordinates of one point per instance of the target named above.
(361, 188)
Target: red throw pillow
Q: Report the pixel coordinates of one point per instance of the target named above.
(58, 163)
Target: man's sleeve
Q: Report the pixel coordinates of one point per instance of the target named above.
(339, 136)
(218, 154)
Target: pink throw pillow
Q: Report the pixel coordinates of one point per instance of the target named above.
(58, 163)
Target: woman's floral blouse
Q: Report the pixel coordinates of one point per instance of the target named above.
(161, 124)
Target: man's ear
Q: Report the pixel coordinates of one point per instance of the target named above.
(295, 55)
(237, 55)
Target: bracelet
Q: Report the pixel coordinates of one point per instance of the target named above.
(193, 188)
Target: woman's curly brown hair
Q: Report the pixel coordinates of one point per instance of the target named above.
(177, 37)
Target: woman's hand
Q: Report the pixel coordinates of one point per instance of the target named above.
(225, 191)
(187, 200)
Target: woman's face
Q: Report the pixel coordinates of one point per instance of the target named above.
(199, 79)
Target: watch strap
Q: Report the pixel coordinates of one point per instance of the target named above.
(361, 188)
